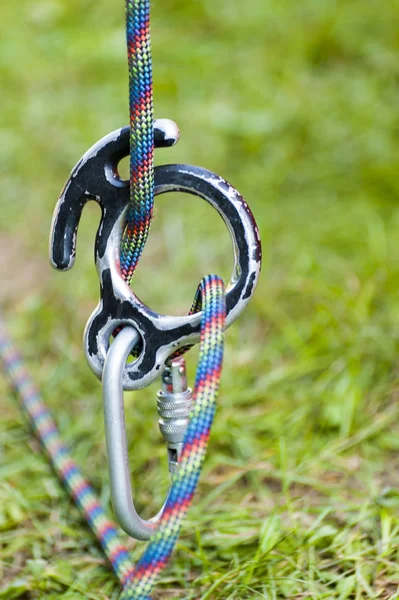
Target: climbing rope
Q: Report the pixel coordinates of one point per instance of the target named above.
(47, 432)
(185, 479)
(138, 582)
(140, 210)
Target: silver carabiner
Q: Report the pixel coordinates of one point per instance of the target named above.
(174, 406)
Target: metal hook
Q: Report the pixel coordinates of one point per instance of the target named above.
(174, 406)
(96, 177)
(115, 434)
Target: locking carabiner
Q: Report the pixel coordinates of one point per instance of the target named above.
(174, 406)
(115, 435)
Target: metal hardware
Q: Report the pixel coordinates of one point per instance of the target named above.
(96, 178)
(115, 434)
(175, 401)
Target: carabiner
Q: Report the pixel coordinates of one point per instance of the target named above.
(115, 434)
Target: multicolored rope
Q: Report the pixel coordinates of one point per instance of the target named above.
(138, 581)
(139, 214)
(61, 459)
(184, 481)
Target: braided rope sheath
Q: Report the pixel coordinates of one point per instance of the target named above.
(139, 213)
(184, 481)
(61, 459)
(137, 582)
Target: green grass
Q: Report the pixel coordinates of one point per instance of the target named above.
(296, 103)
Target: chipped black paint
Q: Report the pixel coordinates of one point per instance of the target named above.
(250, 286)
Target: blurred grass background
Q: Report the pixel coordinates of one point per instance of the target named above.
(296, 103)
